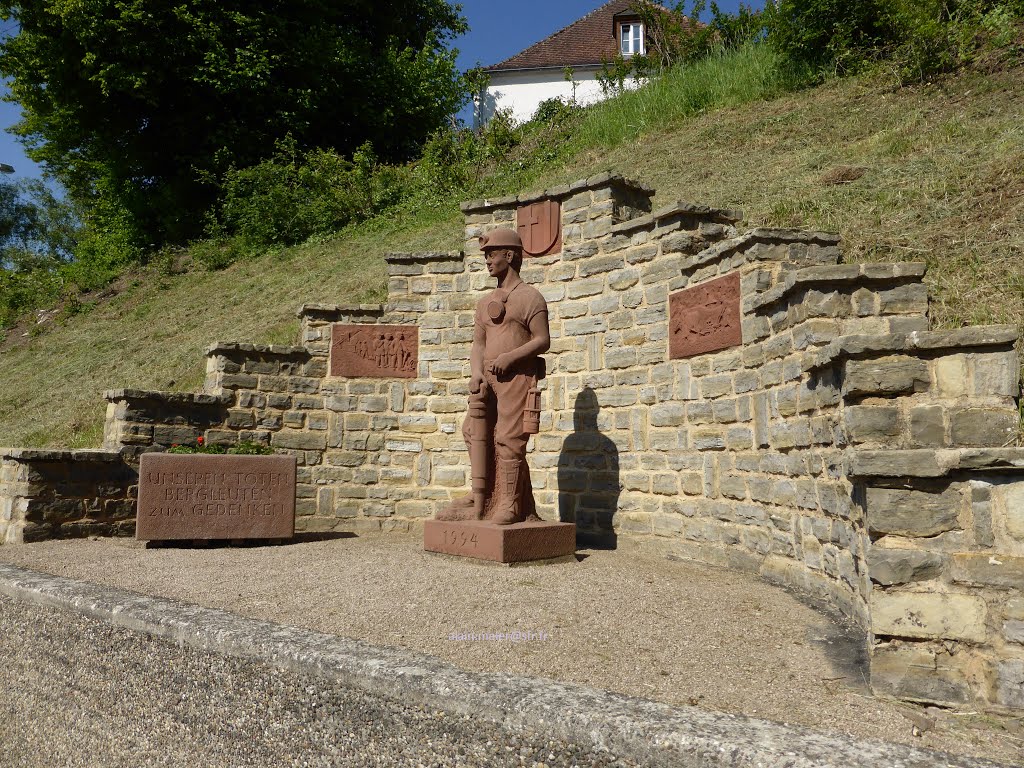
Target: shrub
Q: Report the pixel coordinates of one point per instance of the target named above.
(294, 196)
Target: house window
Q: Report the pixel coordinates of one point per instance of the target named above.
(631, 38)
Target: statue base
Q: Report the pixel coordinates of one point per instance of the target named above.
(516, 543)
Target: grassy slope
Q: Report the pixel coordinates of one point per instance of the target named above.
(943, 182)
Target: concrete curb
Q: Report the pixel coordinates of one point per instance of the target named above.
(650, 733)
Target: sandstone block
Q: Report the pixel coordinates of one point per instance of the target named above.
(929, 615)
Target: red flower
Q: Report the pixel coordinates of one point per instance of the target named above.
(199, 441)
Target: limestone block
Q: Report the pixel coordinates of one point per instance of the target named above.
(987, 570)
(298, 440)
(907, 512)
(600, 264)
(889, 566)
(668, 415)
(919, 673)
(419, 424)
(623, 357)
(1013, 631)
(877, 424)
(996, 375)
(897, 374)
(1010, 683)
(1011, 498)
(904, 299)
(984, 427)
(951, 377)
(929, 615)
(927, 426)
(716, 386)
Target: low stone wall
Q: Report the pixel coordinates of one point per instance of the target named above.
(65, 494)
(826, 438)
(947, 564)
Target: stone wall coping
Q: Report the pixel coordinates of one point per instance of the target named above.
(835, 273)
(761, 235)
(563, 190)
(186, 398)
(262, 349)
(59, 454)
(720, 215)
(332, 311)
(927, 462)
(396, 257)
(959, 338)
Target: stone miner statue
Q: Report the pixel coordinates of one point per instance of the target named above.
(510, 332)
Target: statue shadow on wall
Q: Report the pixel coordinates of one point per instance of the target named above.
(588, 477)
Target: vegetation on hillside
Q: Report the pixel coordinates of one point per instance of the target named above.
(904, 170)
(140, 108)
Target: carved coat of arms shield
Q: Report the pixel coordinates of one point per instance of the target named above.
(540, 227)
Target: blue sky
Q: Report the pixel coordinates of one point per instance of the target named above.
(497, 30)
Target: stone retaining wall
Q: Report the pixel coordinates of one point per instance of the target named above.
(65, 494)
(817, 452)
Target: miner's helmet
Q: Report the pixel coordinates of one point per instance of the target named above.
(501, 238)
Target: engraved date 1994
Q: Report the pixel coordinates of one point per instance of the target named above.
(460, 539)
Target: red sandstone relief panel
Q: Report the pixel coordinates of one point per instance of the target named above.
(375, 351)
(540, 227)
(203, 496)
(705, 318)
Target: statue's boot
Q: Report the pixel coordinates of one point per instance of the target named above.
(506, 510)
(462, 508)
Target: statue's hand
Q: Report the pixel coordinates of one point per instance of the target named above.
(475, 383)
(502, 364)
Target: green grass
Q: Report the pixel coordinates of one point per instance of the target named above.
(943, 182)
(751, 73)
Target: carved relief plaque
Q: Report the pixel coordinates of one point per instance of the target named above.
(375, 351)
(540, 227)
(705, 318)
(203, 496)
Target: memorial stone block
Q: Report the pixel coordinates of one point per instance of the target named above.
(202, 496)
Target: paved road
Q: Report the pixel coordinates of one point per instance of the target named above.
(76, 692)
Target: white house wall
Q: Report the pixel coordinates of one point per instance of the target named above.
(523, 91)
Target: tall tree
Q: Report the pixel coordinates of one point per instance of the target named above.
(139, 106)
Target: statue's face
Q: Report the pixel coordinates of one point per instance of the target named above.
(498, 261)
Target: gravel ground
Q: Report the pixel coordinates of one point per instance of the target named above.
(78, 692)
(675, 632)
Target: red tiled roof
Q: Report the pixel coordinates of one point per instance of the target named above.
(590, 40)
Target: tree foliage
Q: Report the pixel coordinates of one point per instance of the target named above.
(139, 107)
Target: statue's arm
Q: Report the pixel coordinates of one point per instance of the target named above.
(476, 357)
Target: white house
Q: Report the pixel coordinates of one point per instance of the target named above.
(532, 76)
